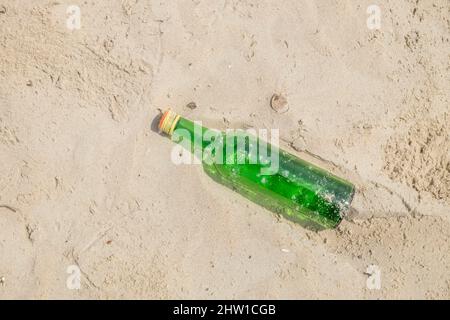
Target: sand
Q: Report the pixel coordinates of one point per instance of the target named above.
(86, 182)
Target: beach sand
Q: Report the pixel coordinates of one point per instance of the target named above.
(86, 183)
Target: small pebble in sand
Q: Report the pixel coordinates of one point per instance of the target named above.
(299, 144)
(279, 103)
(29, 83)
(2, 9)
(2, 280)
(191, 105)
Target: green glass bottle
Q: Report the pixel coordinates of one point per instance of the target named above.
(293, 188)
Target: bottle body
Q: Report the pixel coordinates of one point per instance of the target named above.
(295, 189)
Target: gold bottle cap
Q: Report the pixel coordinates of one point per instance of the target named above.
(168, 122)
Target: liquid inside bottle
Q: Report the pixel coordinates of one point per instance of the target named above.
(296, 189)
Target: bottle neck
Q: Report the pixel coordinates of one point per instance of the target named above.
(181, 129)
